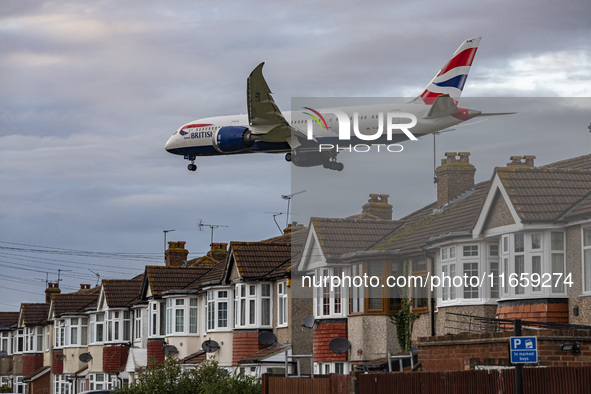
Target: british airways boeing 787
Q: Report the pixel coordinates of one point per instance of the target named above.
(311, 137)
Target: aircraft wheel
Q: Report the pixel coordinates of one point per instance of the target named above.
(339, 166)
(288, 156)
(192, 167)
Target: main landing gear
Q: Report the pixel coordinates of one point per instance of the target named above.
(192, 166)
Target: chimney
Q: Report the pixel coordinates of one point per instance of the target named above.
(219, 251)
(522, 161)
(455, 176)
(292, 227)
(51, 291)
(377, 205)
(176, 254)
(84, 286)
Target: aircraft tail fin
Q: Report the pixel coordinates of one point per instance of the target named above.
(452, 77)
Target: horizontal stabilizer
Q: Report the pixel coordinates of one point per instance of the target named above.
(496, 113)
(442, 106)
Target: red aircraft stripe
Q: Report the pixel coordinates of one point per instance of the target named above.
(463, 58)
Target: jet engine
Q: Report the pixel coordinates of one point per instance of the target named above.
(232, 139)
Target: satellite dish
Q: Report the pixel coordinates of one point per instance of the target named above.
(3, 354)
(85, 357)
(267, 338)
(339, 345)
(309, 321)
(210, 346)
(60, 356)
(170, 350)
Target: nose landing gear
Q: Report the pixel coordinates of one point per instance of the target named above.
(192, 166)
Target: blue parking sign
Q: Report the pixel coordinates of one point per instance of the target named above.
(523, 350)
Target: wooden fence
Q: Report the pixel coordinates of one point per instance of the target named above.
(551, 380)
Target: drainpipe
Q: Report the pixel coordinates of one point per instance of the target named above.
(431, 298)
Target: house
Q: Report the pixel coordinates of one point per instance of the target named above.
(523, 234)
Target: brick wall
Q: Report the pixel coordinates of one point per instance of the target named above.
(323, 332)
(155, 349)
(540, 310)
(244, 344)
(57, 366)
(115, 357)
(466, 351)
(31, 363)
(41, 385)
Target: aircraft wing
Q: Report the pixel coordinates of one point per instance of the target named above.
(264, 115)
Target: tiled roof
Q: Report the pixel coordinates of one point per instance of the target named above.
(75, 302)
(297, 237)
(263, 354)
(163, 278)
(458, 217)
(215, 274)
(546, 194)
(34, 314)
(121, 292)
(8, 319)
(575, 163)
(258, 259)
(195, 358)
(341, 236)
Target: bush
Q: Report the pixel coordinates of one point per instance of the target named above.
(208, 378)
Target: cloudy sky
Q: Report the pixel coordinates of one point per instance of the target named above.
(91, 91)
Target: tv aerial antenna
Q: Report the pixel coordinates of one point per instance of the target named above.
(288, 197)
(275, 214)
(98, 276)
(211, 226)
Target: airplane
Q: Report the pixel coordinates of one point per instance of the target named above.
(311, 137)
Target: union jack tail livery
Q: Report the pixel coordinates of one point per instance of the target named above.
(452, 77)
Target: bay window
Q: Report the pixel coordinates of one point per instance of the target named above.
(533, 263)
(586, 233)
(182, 316)
(253, 305)
(97, 328)
(33, 339)
(118, 326)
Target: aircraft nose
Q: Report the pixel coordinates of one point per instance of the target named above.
(170, 144)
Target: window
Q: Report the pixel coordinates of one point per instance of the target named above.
(59, 336)
(328, 299)
(33, 339)
(137, 329)
(493, 263)
(216, 310)
(282, 304)
(587, 259)
(369, 296)
(76, 331)
(98, 381)
(470, 270)
(118, 326)
(470, 250)
(181, 316)
(61, 385)
(557, 249)
(5, 342)
(325, 368)
(97, 328)
(157, 318)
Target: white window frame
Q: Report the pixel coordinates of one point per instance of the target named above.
(544, 255)
(157, 316)
(216, 298)
(331, 367)
(33, 339)
(337, 296)
(586, 259)
(61, 385)
(94, 383)
(118, 326)
(253, 304)
(6, 342)
(282, 304)
(187, 308)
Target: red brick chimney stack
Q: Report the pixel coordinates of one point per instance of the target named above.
(455, 176)
(52, 290)
(378, 205)
(176, 254)
(522, 161)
